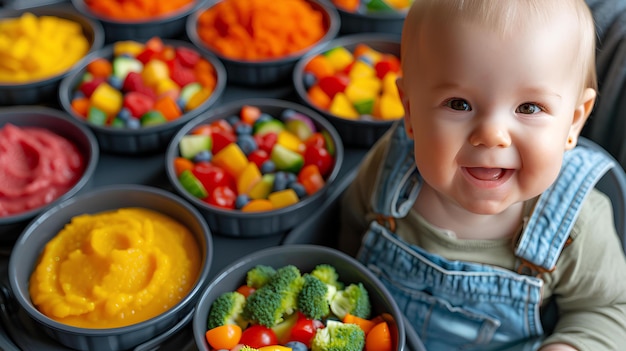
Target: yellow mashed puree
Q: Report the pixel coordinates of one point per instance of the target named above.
(115, 268)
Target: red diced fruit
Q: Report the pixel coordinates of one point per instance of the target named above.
(311, 178)
(320, 157)
(258, 157)
(88, 87)
(132, 81)
(187, 57)
(266, 141)
(221, 139)
(332, 85)
(212, 176)
(249, 114)
(223, 197)
(386, 65)
(182, 75)
(137, 103)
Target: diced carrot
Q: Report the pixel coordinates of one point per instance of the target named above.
(80, 106)
(100, 67)
(319, 66)
(249, 114)
(168, 107)
(181, 164)
(365, 324)
(318, 97)
(257, 205)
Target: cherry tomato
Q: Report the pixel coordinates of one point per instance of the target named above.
(266, 141)
(258, 156)
(258, 336)
(315, 140)
(212, 176)
(245, 290)
(223, 337)
(378, 338)
(311, 178)
(320, 157)
(304, 330)
(222, 196)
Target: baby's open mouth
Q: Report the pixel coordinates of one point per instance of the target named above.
(486, 174)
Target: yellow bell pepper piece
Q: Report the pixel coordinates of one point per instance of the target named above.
(231, 159)
(283, 198)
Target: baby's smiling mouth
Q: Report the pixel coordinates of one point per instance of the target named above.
(486, 174)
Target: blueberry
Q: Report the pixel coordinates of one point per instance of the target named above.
(246, 143)
(124, 114)
(243, 128)
(299, 189)
(296, 346)
(291, 178)
(203, 156)
(241, 201)
(288, 113)
(308, 79)
(133, 123)
(268, 167)
(233, 120)
(264, 117)
(115, 82)
(281, 180)
(181, 103)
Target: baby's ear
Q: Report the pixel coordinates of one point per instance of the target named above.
(581, 113)
(405, 103)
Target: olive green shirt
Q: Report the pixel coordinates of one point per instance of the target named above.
(588, 284)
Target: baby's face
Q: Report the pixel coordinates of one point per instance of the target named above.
(491, 114)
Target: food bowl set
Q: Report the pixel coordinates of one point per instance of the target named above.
(360, 132)
(168, 25)
(30, 245)
(145, 139)
(44, 90)
(254, 224)
(264, 71)
(60, 124)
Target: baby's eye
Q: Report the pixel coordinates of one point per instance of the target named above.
(528, 108)
(458, 104)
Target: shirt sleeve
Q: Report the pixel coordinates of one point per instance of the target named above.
(589, 283)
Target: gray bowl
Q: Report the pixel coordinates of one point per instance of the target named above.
(254, 224)
(169, 26)
(61, 124)
(266, 72)
(355, 133)
(146, 139)
(305, 257)
(371, 22)
(31, 242)
(44, 91)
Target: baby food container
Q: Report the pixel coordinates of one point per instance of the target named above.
(31, 242)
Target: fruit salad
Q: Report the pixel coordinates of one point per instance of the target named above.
(143, 84)
(358, 84)
(254, 161)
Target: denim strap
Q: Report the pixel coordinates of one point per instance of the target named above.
(558, 207)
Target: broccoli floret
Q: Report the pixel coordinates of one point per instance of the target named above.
(259, 276)
(269, 304)
(327, 274)
(337, 336)
(227, 309)
(312, 301)
(354, 299)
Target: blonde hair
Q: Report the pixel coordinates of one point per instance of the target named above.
(506, 16)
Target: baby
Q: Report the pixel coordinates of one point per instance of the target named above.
(479, 212)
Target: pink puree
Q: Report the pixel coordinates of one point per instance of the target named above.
(36, 167)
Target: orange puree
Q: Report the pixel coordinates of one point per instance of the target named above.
(114, 269)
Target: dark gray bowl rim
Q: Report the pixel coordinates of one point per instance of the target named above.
(172, 151)
(98, 40)
(22, 240)
(332, 31)
(65, 89)
(365, 38)
(172, 16)
(308, 249)
(90, 166)
(378, 15)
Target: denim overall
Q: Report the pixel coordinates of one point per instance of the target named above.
(456, 305)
